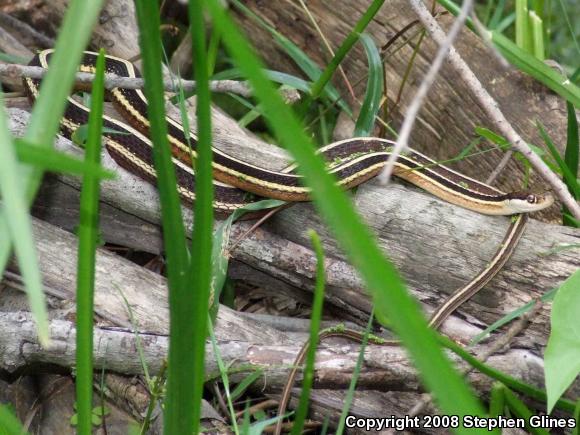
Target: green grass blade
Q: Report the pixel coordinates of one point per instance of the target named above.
(345, 47)
(308, 379)
(56, 161)
(19, 227)
(537, 35)
(505, 23)
(497, 14)
(573, 141)
(571, 159)
(307, 65)
(519, 409)
(513, 383)
(497, 400)
(548, 296)
(576, 414)
(179, 399)
(383, 281)
(200, 273)
(537, 69)
(523, 36)
(245, 383)
(359, 362)
(223, 371)
(526, 62)
(72, 40)
(570, 27)
(9, 424)
(569, 177)
(371, 104)
(88, 235)
(221, 242)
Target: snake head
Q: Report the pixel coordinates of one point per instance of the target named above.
(526, 202)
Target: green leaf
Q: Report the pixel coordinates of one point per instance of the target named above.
(562, 356)
(496, 17)
(356, 373)
(523, 33)
(101, 410)
(96, 420)
(493, 137)
(513, 383)
(276, 76)
(366, 119)
(576, 414)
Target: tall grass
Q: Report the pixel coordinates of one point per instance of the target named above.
(302, 410)
(200, 270)
(88, 235)
(179, 403)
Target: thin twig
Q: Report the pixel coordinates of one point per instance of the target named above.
(490, 106)
(261, 406)
(256, 225)
(500, 167)
(445, 45)
(114, 81)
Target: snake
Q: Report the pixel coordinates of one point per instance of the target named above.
(237, 182)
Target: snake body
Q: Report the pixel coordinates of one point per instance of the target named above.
(351, 161)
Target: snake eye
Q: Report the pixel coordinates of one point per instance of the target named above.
(532, 199)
